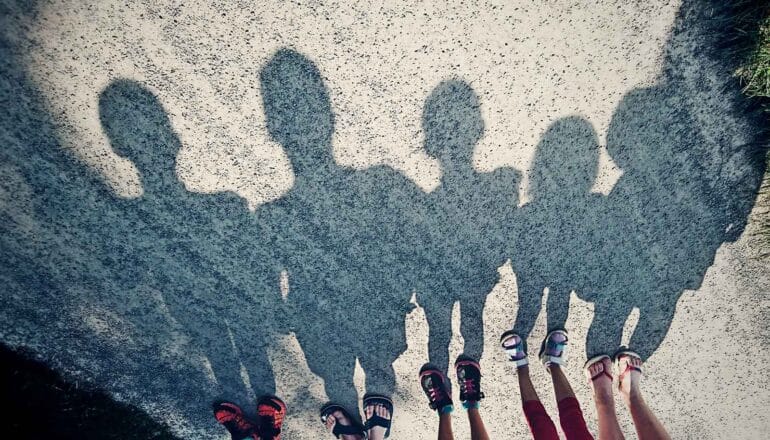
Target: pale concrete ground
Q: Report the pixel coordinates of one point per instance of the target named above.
(529, 62)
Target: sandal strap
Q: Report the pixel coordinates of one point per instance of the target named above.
(629, 368)
(339, 429)
(626, 353)
(345, 430)
(521, 362)
(382, 422)
(600, 374)
(375, 420)
(514, 351)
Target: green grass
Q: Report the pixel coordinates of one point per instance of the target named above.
(755, 73)
(751, 43)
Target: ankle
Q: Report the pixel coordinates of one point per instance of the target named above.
(633, 397)
(604, 398)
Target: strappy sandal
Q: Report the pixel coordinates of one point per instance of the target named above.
(593, 361)
(355, 428)
(623, 371)
(516, 352)
(552, 352)
(375, 420)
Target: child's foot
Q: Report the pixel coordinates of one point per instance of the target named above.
(231, 417)
(597, 371)
(554, 348)
(271, 411)
(436, 386)
(338, 422)
(378, 412)
(629, 366)
(514, 348)
(469, 378)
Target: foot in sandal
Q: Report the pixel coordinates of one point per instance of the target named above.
(469, 379)
(270, 411)
(378, 412)
(629, 367)
(436, 386)
(339, 422)
(598, 371)
(230, 415)
(553, 351)
(514, 348)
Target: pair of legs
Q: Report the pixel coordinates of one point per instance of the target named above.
(648, 427)
(436, 386)
(478, 431)
(552, 355)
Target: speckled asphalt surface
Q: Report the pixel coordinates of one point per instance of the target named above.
(204, 200)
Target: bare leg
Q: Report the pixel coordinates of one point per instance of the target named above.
(526, 388)
(561, 386)
(648, 427)
(445, 427)
(609, 428)
(478, 430)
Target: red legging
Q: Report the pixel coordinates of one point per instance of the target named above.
(570, 417)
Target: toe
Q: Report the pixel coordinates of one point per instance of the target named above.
(330, 421)
(340, 417)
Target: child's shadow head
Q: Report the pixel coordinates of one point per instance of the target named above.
(297, 107)
(139, 129)
(452, 123)
(566, 161)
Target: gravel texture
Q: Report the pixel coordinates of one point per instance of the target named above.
(203, 200)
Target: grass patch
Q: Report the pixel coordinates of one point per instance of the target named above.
(755, 73)
(751, 42)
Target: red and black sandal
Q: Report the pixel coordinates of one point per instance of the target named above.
(271, 411)
(355, 428)
(230, 415)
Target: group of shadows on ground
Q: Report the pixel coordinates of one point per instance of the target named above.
(355, 244)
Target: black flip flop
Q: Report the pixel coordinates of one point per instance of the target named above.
(355, 428)
(375, 420)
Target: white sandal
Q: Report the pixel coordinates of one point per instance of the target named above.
(516, 352)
